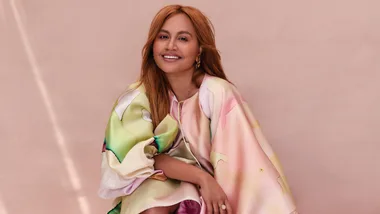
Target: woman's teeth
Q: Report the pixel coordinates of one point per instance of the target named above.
(171, 57)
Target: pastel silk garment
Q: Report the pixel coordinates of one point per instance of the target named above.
(214, 130)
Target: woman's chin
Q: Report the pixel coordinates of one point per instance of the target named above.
(170, 70)
(174, 69)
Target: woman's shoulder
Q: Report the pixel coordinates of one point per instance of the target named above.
(215, 92)
(217, 82)
(217, 85)
(132, 90)
(134, 93)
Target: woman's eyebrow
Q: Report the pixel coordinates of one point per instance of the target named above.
(180, 32)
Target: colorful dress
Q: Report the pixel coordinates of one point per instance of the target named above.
(214, 130)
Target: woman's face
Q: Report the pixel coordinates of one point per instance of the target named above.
(176, 45)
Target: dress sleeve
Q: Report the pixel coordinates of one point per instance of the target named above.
(130, 145)
(244, 163)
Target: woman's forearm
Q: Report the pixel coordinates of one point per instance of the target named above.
(180, 170)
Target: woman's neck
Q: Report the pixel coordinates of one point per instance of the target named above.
(182, 85)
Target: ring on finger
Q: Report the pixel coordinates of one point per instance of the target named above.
(223, 206)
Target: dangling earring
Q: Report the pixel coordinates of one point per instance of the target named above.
(198, 62)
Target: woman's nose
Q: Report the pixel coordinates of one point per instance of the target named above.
(171, 44)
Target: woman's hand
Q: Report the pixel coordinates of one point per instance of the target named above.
(214, 196)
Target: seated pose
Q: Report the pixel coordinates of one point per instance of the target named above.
(182, 139)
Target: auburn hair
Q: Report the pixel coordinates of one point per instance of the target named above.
(154, 79)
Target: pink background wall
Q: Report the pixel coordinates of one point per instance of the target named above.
(309, 69)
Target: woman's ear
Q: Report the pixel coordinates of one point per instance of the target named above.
(200, 50)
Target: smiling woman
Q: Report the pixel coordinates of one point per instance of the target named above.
(175, 49)
(182, 139)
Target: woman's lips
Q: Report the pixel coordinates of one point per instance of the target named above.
(171, 58)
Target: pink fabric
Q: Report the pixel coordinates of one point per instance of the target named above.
(129, 189)
(106, 192)
(238, 155)
(189, 207)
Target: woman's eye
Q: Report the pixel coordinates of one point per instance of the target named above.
(183, 39)
(163, 37)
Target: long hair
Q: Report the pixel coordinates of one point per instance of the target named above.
(153, 78)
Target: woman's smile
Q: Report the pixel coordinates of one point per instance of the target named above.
(171, 57)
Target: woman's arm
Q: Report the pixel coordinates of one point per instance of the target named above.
(180, 170)
(213, 195)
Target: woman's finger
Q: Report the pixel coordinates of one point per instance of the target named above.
(215, 207)
(209, 208)
(228, 206)
(222, 205)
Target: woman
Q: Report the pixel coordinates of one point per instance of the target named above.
(182, 139)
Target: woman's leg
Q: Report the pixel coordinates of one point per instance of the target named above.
(161, 210)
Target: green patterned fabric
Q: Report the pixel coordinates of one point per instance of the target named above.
(134, 127)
